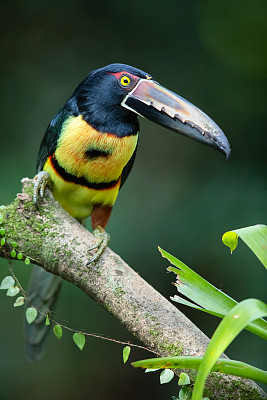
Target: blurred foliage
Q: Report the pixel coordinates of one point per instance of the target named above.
(235, 317)
(180, 195)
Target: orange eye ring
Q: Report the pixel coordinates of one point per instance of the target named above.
(125, 80)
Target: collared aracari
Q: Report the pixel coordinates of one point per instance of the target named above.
(88, 151)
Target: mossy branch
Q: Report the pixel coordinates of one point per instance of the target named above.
(52, 239)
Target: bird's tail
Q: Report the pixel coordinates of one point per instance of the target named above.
(42, 293)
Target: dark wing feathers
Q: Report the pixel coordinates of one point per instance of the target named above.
(127, 169)
(49, 142)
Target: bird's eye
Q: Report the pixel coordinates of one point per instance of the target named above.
(125, 80)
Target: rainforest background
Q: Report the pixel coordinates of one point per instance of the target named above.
(180, 195)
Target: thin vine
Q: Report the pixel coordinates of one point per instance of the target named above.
(53, 321)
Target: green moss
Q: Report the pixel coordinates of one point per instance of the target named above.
(153, 333)
(151, 317)
(98, 271)
(118, 291)
(83, 280)
(107, 307)
(171, 349)
(18, 225)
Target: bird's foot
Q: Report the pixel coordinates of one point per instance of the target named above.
(104, 238)
(42, 179)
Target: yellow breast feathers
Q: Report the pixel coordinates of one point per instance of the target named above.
(98, 157)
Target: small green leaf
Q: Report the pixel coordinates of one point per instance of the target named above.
(14, 244)
(185, 393)
(2, 207)
(2, 231)
(47, 322)
(255, 238)
(19, 301)
(27, 261)
(151, 370)
(31, 314)
(1, 218)
(230, 239)
(183, 379)
(12, 291)
(125, 353)
(57, 331)
(3, 241)
(79, 339)
(13, 253)
(7, 282)
(20, 256)
(166, 376)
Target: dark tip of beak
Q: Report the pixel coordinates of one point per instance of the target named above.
(214, 137)
(225, 149)
(219, 142)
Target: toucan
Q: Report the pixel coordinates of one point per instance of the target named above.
(88, 151)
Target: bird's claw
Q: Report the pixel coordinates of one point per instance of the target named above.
(42, 179)
(104, 238)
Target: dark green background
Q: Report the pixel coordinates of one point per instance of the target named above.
(180, 195)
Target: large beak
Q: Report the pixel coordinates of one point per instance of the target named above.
(160, 105)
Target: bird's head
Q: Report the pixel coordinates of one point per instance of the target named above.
(112, 97)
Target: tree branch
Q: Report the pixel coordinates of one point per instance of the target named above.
(58, 243)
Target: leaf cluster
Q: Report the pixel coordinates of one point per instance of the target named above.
(248, 314)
